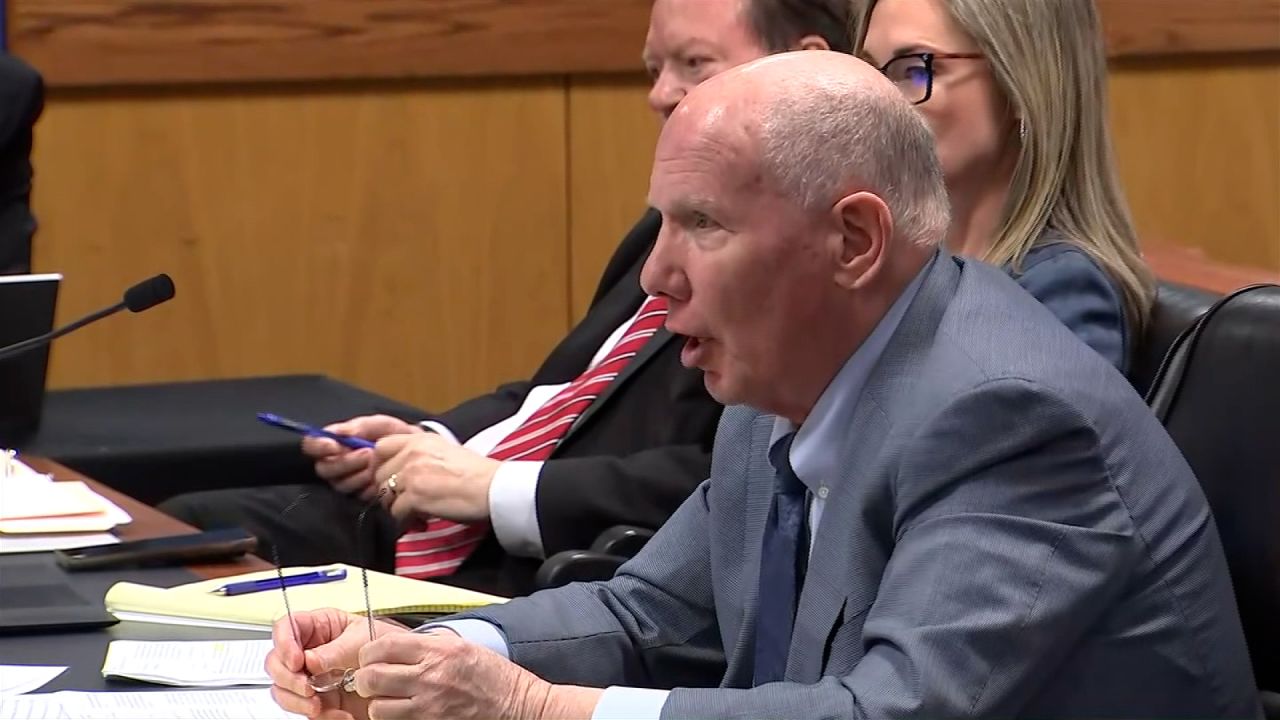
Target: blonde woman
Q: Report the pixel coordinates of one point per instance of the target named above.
(1015, 93)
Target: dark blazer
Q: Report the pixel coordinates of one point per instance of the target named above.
(633, 456)
(21, 101)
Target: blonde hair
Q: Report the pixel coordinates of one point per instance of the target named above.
(1047, 57)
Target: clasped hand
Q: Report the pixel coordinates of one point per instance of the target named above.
(400, 674)
(435, 477)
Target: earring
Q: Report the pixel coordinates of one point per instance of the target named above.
(1022, 130)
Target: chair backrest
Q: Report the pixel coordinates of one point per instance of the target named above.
(1218, 395)
(1175, 309)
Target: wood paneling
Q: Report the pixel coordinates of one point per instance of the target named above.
(411, 240)
(112, 42)
(611, 139)
(1199, 151)
(1174, 27)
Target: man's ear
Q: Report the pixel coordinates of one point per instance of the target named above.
(864, 226)
(812, 42)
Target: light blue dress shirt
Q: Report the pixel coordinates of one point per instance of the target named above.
(813, 457)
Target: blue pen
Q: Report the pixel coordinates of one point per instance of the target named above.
(347, 441)
(311, 578)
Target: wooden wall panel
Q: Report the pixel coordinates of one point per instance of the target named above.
(111, 42)
(611, 138)
(410, 240)
(1199, 151)
(1175, 27)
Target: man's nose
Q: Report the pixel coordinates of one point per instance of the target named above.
(666, 94)
(662, 275)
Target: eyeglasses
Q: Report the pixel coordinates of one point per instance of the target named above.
(913, 73)
(336, 678)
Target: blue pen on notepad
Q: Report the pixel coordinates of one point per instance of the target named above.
(311, 578)
(347, 441)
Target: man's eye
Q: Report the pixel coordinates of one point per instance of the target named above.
(700, 221)
(697, 64)
(653, 71)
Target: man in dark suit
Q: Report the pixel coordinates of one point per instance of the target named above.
(21, 101)
(610, 430)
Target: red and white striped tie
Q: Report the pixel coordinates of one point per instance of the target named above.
(440, 546)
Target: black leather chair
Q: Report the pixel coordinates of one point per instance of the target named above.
(612, 548)
(1218, 395)
(1176, 307)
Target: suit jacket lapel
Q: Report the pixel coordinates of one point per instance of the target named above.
(832, 588)
(627, 292)
(740, 654)
(646, 353)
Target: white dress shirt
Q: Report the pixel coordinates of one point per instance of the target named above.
(513, 506)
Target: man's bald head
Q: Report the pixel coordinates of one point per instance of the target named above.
(817, 126)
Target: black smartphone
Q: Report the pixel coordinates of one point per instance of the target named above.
(210, 546)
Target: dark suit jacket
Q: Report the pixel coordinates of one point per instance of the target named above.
(21, 101)
(636, 453)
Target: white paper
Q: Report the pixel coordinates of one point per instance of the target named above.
(190, 663)
(19, 679)
(31, 707)
(254, 704)
(111, 516)
(10, 544)
(15, 469)
(127, 616)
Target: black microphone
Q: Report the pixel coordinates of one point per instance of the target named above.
(143, 296)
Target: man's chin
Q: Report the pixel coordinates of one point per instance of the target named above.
(719, 390)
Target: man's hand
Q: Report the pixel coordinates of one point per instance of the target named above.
(434, 478)
(326, 639)
(351, 471)
(438, 674)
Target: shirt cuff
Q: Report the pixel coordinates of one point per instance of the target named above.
(513, 508)
(439, 429)
(628, 703)
(479, 632)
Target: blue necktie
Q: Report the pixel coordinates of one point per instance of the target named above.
(782, 565)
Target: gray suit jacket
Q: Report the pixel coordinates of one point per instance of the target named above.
(1014, 535)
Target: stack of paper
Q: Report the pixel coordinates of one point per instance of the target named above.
(190, 663)
(255, 704)
(197, 604)
(37, 514)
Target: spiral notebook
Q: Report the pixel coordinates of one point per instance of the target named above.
(196, 604)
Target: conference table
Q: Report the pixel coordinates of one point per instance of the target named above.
(83, 652)
(156, 440)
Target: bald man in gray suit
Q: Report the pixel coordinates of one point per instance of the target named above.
(928, 499)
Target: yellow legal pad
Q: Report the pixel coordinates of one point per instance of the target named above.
(388, 595)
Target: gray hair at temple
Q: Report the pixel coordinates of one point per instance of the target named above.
(821, 137)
